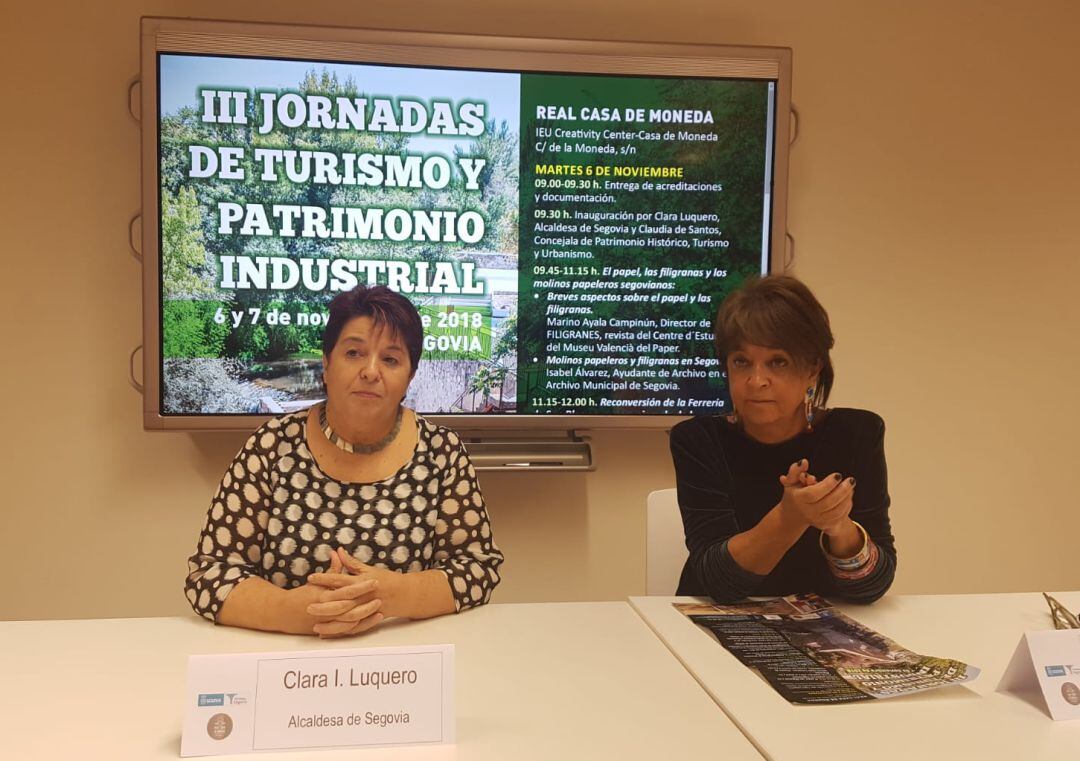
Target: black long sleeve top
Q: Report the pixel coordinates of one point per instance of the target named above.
(728, 481)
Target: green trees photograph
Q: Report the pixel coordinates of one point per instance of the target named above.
(197, 314)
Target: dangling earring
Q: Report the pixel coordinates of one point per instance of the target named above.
(810, 408)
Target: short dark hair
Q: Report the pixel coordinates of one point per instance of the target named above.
(385, 308)
(779, 312)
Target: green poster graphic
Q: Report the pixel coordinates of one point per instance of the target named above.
(566, 238)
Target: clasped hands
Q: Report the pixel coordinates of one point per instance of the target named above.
(350, 597)
(824, 504)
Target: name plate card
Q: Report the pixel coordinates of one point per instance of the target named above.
(1048, 661)
(239, 703)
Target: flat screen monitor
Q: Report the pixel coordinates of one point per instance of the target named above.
(565, 215)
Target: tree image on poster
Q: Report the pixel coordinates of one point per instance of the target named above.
(274, 198)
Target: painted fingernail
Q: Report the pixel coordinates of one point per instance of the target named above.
(852, 480)
(838, 477)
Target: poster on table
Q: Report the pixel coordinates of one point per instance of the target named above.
(809, 652)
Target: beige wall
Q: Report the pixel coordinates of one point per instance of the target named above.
(934, 199)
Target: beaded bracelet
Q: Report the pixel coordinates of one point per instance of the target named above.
(853, 563)
(859, 573)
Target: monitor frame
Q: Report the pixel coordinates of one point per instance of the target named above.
(514, 54)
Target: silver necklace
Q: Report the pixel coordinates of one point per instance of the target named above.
(351, 448)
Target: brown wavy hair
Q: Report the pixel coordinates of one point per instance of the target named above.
(778, 312)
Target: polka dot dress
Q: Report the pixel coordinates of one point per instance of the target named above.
(278, 516)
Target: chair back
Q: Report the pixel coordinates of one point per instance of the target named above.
(665, 546)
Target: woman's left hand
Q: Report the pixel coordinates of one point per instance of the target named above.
(350, 580)
(349, 604)
(837, 503)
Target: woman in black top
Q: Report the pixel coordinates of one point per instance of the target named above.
(768, 495)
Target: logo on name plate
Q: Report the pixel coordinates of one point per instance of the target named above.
(1071, 693)
(221, 699)
(220, 726)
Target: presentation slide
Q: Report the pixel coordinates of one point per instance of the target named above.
(566, 238)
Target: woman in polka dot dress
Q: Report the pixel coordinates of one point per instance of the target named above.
(333, 518)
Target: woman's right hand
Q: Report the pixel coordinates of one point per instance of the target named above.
(815, 503)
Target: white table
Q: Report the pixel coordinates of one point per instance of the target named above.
(537, 681)
(970, 721)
